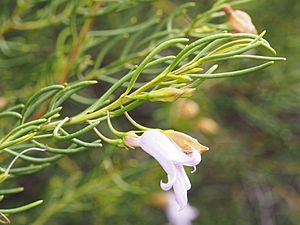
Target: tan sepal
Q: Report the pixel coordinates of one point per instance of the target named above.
(186, 142)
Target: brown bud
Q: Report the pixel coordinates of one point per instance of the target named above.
(207, 125)
(239, 20)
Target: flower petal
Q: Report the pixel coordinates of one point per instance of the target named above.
(180, 192)
(182, 217)
(159, 146)
(191, 159)
(171, 181)
(181, 174)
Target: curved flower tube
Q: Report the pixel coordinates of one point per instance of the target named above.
(172, 158)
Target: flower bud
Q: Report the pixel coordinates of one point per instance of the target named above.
(185, 142)
(170, 94)
(184, 78)
(239, 20)
(207, 125)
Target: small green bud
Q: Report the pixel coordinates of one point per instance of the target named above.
(180, 78)
(170, 94)
(195, 70)
(184, 78)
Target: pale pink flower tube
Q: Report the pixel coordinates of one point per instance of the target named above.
(171, 158)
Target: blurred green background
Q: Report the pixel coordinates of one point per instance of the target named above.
(251, 175)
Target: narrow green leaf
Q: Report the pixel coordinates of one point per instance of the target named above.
(21, 208)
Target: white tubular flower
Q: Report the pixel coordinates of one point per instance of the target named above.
(171, 157)
(182, 217)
